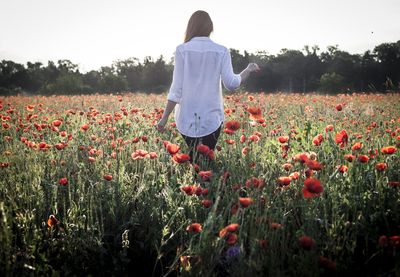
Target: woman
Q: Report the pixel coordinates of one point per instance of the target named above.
(200, 65)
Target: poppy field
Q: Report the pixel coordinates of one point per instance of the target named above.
(298, 185)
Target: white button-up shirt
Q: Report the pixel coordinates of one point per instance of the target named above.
(200, 65)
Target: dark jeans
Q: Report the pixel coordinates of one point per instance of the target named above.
(209, 140)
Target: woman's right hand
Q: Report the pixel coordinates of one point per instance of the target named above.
(161, 124)
(253, 67)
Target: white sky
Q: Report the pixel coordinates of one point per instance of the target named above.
(93, 33)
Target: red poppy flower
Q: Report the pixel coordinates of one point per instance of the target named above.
(342, 168)
(228, 229)
(30, 108)
(373, 153)
(349, 157)
(140, 154)
(383, 241)
(211, 155)
(59, 146)
(255, 182)
(56, 123)
(153, 155)
(3, 165)
(42, 145)
(242, 138)
(357, 146)
(181, 158)
(231, 238)
(203, 149)
(341, 138)
(63, 181)
(230, 141)
(172, 148)
(234, 209)
(189, 190)
(196, 167)
(52, 221)
(194, 228)
(228, 111)
(84, 127)
(254, 138)
(198, 190)
(228, 131)
(339, 107)
(394, 184)
(329, 128)
(389, 150)
(233, 125)
(294, 175)
(395, 241)
(326, 263)
(276, 226)
(287, 166)
(245, 201)
(313, 165)
(206, 203)
(283, 139)
(107, 177)
(381, 166)
(309, 173)
(205, 175)
(306, 242)
(262, 122)
(312, 188)
(302, 157)
(318, 139)
(363, 159)
(284, 181)
(263, 243)
(255, 113)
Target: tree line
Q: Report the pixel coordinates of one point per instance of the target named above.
(308, 70)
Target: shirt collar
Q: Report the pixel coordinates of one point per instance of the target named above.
(200, 38)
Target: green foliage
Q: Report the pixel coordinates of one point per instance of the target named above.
(66, 83)
(331, 82)
(113, 83)
(290, 71)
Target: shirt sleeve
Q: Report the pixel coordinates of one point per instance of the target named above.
(229, 78)
(175, 91)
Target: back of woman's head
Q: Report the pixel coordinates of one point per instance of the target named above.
(199, 25)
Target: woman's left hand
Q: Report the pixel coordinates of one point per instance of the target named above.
(253, 67)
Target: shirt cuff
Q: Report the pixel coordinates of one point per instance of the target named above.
(173, 98)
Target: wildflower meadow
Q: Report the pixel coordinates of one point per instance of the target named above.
(298, 185)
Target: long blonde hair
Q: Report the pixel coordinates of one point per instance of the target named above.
(199, 25)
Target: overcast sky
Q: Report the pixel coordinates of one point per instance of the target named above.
(94, 33)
